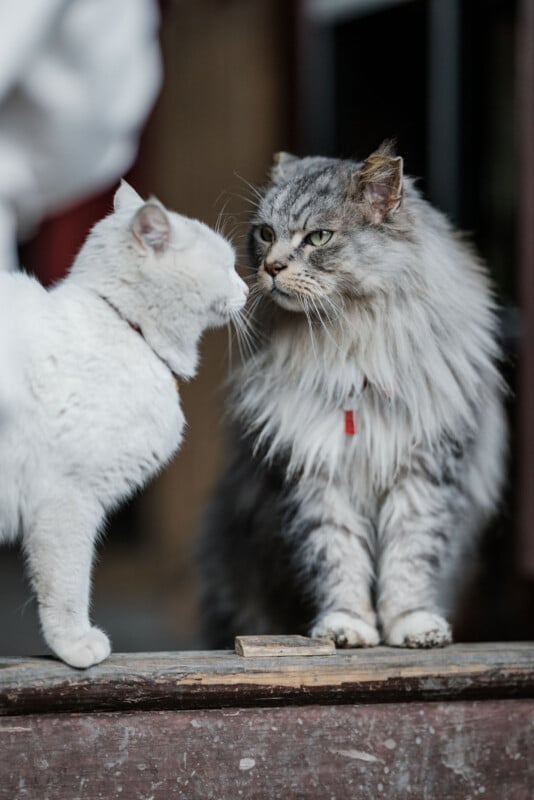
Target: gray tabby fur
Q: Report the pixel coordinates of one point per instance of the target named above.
(364, 538)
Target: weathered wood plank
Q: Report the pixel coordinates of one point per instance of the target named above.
(467, 750)
(222, 679)
(269, 646)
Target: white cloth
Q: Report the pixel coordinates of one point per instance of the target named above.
(77, 79)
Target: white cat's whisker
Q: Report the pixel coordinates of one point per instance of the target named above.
(245, 338)
(249, 329)
(229, 339)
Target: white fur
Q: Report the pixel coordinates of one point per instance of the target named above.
(98, 412)
(346, 629)
(419, 629)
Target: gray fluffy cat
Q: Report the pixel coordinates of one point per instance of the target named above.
(368, 428)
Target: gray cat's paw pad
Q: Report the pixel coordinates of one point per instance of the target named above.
(420, 629)
(347, 630)
(83, 651)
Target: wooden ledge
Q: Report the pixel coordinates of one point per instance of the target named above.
(218, 679)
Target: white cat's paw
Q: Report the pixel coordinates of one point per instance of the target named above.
(83, 651)
(419, 629)
(347, 630)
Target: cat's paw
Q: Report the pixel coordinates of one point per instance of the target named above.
(347, 630)
(419, 629)
(83, 651)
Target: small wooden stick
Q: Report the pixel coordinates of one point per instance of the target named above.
(260, 646)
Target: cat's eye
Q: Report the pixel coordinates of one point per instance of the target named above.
(266, 233)
(318, 238)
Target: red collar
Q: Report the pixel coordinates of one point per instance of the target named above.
(351, 421)
(138, 330)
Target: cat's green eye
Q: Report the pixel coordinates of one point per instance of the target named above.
(318, 238)
(266, 234)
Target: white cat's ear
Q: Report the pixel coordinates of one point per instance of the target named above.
(380, 184)
(126, 197)
(283, 165)
(151, 227)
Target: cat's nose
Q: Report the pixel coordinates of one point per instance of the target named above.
(274, 268)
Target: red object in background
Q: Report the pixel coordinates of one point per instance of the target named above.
(51, 252)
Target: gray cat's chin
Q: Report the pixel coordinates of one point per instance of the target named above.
(286, 301)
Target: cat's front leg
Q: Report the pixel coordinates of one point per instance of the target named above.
(59, 544)
(420, 540)
(334, 546)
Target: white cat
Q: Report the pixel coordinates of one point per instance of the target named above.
(98, 411)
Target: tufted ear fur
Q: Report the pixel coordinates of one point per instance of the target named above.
(151, 227)
(282, 166)
(126, 197)
(380, 184)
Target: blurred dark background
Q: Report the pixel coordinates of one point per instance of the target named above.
(453, 82)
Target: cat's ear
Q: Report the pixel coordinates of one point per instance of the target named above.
(126, 197)
(283, 165)
(379, 184)
(151, 227)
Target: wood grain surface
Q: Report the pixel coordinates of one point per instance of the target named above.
(188, 680)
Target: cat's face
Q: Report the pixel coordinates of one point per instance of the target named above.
(181, 256)
(205, 260)
(320, 229)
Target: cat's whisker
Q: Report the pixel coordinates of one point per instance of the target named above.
(319, 311)
(255, 290)
(239, 339)
(230, 347)
(304, 305)
(248, 347)
(231, 235)
(249, 326)
(255, 191)
(221, 214)
(337, 318)
(250, 202)
(332, 314)
(257, 300)
(255, 293)
(245, 335)
(243, 216)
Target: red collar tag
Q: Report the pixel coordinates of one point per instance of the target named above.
(350, 423)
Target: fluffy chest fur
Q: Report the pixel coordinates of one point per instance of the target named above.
(308, 426)
(400, 381)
